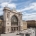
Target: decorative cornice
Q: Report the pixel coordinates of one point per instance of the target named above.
(13, 10)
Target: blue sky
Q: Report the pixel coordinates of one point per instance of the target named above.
(27, 7)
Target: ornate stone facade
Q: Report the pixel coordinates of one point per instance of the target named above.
(12, 20)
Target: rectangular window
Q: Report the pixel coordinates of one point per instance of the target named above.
(27, 34)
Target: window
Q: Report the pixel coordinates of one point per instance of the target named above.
(17, 28)
(27, 34)
(14, 20)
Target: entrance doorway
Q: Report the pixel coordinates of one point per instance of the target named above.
(13, 29)
(14, 23)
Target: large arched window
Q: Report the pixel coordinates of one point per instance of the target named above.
(14, 20)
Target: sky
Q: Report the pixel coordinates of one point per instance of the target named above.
(26, 7)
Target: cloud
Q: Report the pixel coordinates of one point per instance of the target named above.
(30, 6)
(11, 5)
(26, 16)
(1, 1)
(9, 1)
(29, 16)
(4, 4)
(1, 11)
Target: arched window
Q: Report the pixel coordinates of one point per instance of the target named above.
(14, 20)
